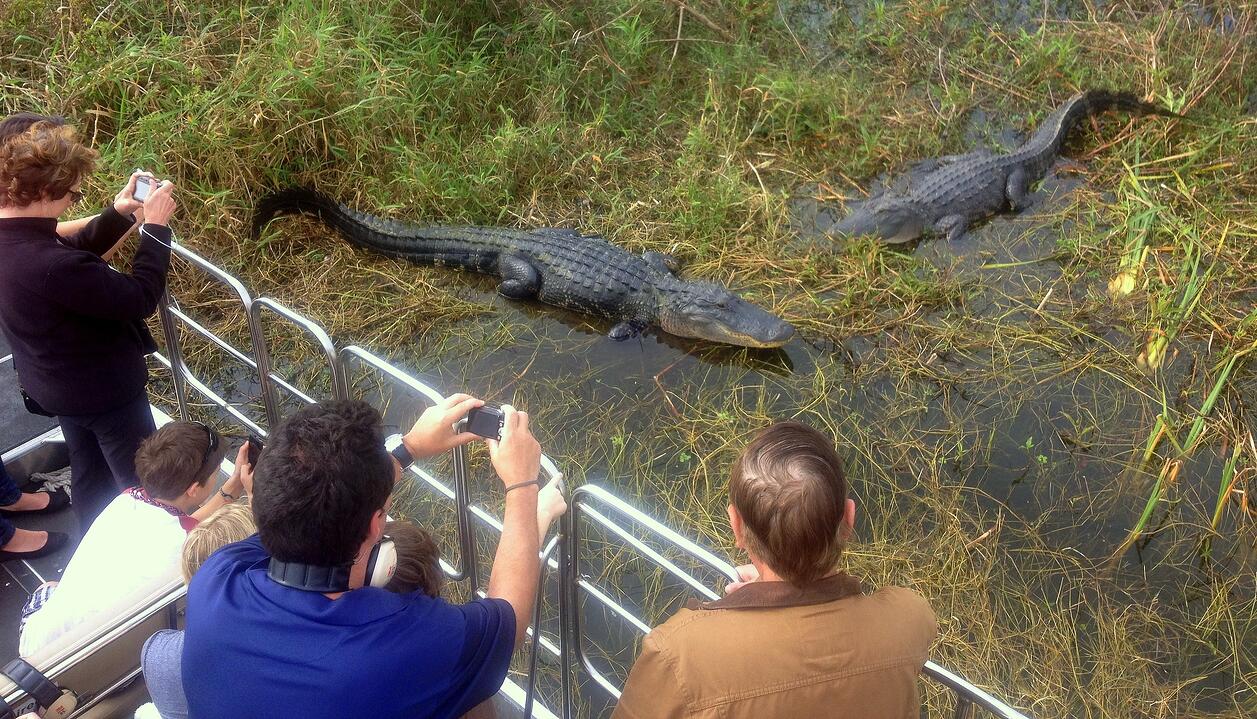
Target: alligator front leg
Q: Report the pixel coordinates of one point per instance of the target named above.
(520, 279)
(953, 226)
(1016, 187)
(663, 262)
(627, 330)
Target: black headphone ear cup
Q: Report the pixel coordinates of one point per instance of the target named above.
(382, 563)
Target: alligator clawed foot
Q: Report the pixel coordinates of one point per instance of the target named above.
(626, 331)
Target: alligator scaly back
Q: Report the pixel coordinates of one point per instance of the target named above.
(947, 194)
(557, 266)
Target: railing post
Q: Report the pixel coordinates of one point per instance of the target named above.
(531, 688)
(567, 598)
(312, 330)
(466, 528)
(964, 708)
(171, 334)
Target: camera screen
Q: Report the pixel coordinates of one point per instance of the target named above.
(486, 422)
(143, 186)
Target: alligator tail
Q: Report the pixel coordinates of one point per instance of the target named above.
(367, 231)
(293, 201)
(1051, 135)
(473, 248)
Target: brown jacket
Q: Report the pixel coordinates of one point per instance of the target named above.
(772, 650)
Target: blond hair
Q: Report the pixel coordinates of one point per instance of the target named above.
(231, 523)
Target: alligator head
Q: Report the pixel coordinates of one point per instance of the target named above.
(893, 219)
(710, 312)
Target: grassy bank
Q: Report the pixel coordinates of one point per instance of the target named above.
(1049, 428)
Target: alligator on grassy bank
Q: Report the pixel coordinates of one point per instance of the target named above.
(946, 194)
(560, 267)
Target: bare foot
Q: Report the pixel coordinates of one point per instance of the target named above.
(29, 502)
(24, 540)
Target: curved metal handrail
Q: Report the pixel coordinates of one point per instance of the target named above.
(310, 328)
(572, 583)
(185, 376)
(588, 501)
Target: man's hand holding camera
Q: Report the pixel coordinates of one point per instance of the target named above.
(517, 456)
(434, 433)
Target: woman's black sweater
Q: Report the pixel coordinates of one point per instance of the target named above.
(76, 326)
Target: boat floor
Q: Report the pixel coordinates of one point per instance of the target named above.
(19, 578)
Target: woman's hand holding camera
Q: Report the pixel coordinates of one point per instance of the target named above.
(124, 202)
(160, 204)
(157, 207)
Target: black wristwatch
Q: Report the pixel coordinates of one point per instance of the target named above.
(402, 455)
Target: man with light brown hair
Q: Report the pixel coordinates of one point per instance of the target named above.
(796, 637)
(131, 553)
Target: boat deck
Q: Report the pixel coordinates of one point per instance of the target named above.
(19, 578)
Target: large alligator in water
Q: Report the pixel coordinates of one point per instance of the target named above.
(560, 267)
(946, 194)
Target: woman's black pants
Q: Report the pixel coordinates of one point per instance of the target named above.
(102, 454)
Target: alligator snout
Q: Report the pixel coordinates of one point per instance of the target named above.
(711, 313)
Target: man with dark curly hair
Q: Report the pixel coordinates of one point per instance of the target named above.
(285, 621)
(76, 326)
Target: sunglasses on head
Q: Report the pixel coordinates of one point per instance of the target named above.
(76, 195)
(213, 441)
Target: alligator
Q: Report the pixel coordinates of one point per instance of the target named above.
(561, 267)
(945, 195)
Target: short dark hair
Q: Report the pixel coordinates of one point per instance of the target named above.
(324, 473)
(177, 456)
(418, 560)
(789, 487)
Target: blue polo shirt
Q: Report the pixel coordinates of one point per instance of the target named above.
(255, 648)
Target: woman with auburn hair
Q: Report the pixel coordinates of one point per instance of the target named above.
(13, 501)
(20, 122)
(75, 326)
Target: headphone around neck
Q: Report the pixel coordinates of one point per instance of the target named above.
(381, 564)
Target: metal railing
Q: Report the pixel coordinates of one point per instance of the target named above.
(588, 502)
(595, 503)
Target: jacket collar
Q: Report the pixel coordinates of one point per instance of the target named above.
(40, 225)
(764, 595)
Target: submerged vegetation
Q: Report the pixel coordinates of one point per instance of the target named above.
(1049, 425)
